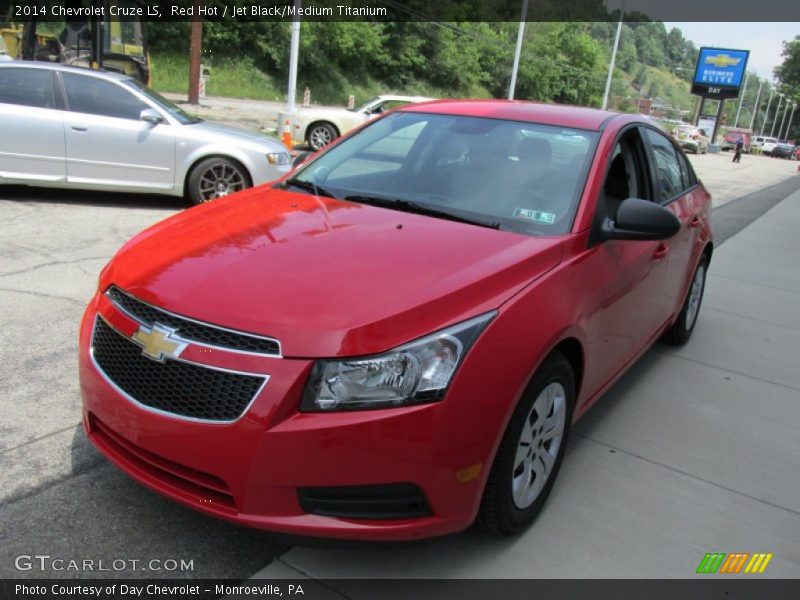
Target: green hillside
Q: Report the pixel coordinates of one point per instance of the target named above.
(561, 62)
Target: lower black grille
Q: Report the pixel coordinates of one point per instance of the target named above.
(172, 386)
(386, 501)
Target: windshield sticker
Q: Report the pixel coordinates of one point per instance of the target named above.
(535, 215)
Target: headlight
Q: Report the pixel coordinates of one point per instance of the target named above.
(278, 158)
(415, 373)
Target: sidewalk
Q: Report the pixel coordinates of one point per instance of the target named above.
(695, 450)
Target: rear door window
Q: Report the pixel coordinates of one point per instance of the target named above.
(27, 87)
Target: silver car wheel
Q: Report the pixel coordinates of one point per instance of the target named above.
(538, 445)
(695, 295)
(320, 136)
(219, 180)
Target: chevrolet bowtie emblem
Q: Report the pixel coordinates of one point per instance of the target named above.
(158, 342)
(722, 60)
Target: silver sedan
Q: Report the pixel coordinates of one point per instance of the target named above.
(70, 127)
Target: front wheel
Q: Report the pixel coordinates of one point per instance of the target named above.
(216, 178)
(531, 451)
(681, 330)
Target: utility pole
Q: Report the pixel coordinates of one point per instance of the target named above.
(741, 100)
(195, 49)
(613, 58)
(518, 51)
(755, 108)
(293, 53)
(777, 112)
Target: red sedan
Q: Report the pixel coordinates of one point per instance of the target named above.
(394, 340)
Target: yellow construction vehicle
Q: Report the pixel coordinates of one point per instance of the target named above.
(82, 33)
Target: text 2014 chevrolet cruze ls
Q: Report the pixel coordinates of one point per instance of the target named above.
(394, 340)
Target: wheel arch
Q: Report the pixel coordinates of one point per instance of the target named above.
(198, 159)
(311, 126)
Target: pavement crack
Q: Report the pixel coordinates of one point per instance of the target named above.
(759, 284)
(749, 318)
(705, 364)
(43, 295)
(281, 560)
(40, 438)
(687, 474)
(52, 264)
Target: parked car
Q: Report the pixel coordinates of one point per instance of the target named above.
(768, 145)
(74, 128)
(396, 338)
(320, 126)
(732, 138)
(691, 138)
(784, 150)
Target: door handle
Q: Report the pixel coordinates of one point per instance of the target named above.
(696, 222)
(79, 127)
(661, 251)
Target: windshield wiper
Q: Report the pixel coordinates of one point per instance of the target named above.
(309, 187)
(420, 209)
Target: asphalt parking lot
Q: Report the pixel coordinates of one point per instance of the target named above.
(693, 451)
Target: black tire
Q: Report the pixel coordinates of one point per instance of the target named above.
(499, 513)
(216, 177)
(681, 330)
(320, 135)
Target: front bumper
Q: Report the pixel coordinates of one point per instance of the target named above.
(250, 471)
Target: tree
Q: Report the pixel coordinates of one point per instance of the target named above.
(788, 75)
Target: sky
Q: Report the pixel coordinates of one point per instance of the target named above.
(762, 39)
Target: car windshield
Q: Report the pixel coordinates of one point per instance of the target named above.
(173, 109)
(511, 175)
(365, 105)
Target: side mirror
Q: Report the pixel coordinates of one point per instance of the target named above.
(151, 115)
(300, 159)
(639, 219)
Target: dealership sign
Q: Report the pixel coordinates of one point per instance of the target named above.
(719, 73)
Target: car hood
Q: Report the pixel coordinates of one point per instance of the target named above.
(323, 276)
(209, 130)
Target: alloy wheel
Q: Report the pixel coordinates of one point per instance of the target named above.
(219, 180)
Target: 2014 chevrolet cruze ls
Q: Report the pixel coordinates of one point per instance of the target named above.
(394, 340)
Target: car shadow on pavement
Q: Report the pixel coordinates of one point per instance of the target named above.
(100, 513)
(92, 198)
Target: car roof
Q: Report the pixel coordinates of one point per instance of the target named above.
(46, 66)
(560, 115)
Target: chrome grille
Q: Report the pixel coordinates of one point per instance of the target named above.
(175, 387)
(190, 329)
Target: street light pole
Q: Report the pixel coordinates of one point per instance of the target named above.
(755, 108)
(789, 124)
(777, 112)
(741, 100)
(293, 53)
(613, 57)
(783, 119)
(766, 113)
(518, 51)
